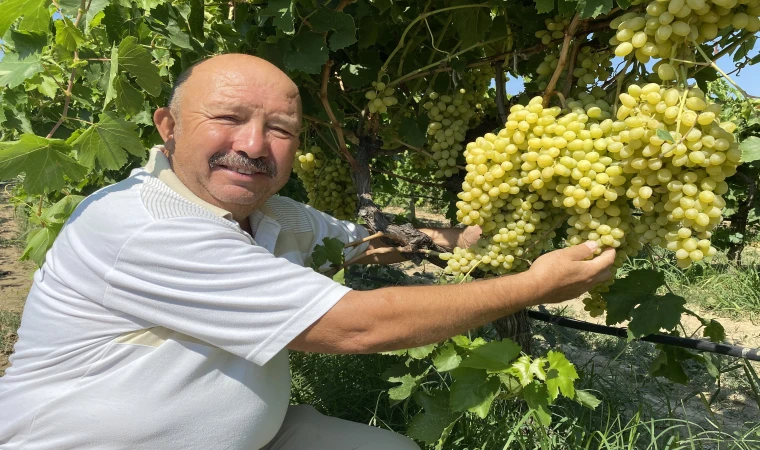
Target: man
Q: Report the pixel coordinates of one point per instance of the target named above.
(163, 314)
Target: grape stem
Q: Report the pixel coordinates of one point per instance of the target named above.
(501, 95)
(570, 69)
(569, 34)
(725, 75)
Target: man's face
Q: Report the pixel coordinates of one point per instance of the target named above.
(236, 136)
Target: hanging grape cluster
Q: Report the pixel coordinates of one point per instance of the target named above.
(664, 155)
(660, 30)
(380, 98)
(327, 180)
(450, 117)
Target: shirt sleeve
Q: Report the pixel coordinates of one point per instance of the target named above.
(326, 225)
(206, 280)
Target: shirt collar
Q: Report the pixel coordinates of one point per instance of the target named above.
(158, 166)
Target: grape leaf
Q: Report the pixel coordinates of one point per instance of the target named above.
(422, 351)
(495, 356)
(324, 20)
(331, 250)
(52, 219)
(560, 375)
(26, 44)
(447, 358)
(412, 130)
(67, 35)
(587, 399)
(408, 386)
(43, 161)
(473, 390)
(11, 10)
(537, 398)
(472, 24)
(195, 19)
(429, 425)
(750, 148)
(114, 71)
(665, 135)
(655, 313)
(668, 363)
(48, 87)
(282, 13)
(38, 242)
(138, 62)
(592, 8)
(108, 142)
(714, 331)
(14, 71)
(627, 292)
(95, 7)
(307, 54)
(128, 98)
(544, 6)
(526, 369)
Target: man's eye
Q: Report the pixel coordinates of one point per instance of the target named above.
(281, 131)
(229, 118)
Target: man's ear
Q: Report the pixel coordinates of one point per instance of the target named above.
(165, 124)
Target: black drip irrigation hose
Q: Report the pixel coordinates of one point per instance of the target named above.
(695, 344)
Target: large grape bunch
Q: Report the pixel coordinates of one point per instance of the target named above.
(450, 117)
(327, 180)
(664, 155)
(660, 30)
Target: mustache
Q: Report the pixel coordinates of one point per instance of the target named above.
(234, 159)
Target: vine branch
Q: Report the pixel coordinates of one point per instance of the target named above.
(501, 95)
(333, 120)
(569, 34)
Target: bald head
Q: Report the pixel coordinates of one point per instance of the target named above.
(237, 65)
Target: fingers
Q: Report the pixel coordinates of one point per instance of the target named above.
(582, 251)
(602, 265)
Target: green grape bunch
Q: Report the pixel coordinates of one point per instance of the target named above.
(380, 98)
(327, 181)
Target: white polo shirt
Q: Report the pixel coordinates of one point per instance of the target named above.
(156, 322)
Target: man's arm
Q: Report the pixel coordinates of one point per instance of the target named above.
(404, 317)
(447, 238)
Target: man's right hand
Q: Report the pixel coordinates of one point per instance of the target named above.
(568, 273)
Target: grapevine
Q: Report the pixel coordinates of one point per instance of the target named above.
(327, 181)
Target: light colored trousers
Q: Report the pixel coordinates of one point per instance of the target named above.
(305, 428)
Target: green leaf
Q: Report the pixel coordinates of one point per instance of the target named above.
(525, 369)
(750, 148)
(627, 292)
(14, 71)
(67, 35)
(26, 44)
(593, 8)
(307, 54)
(560, 375)
(48, 87)
(330, 250)
(473, 390)
(422, 351)
(111, 92)
(412, 130)
(495, 356)
(108, 142)
(537, 398)
(340, 277)
(472, 24)
(714, 331)
(128, 98)
(42, 160)
(138, 62)
(11, 10)
(408, 386)
(195, 19)
(282, 13)
(668, 364)
(708, 360)
(38, 242)
(428, 426)
(544, 6)
(665, 135)
(587, 399)
(447, 358)
(324, 20)
(656, 313)
(96, 6)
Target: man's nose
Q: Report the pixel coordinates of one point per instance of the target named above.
(251, 140)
